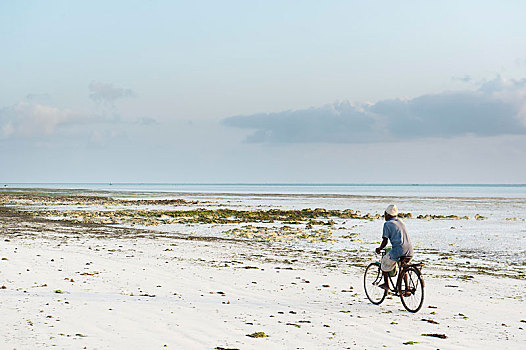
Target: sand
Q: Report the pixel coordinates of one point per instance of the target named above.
(75, 286)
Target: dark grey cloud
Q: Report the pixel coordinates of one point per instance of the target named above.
(108, 93)
(448, 115)
(498, 107)
(338, 122)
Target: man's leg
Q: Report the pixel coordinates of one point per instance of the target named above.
(406, 292)
(386, 283)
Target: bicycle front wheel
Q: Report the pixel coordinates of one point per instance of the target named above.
(371, 280)
(412, 289)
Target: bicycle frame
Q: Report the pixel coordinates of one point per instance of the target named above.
(402, 267)
(410, 291)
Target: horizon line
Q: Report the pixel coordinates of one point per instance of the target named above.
(265, 183)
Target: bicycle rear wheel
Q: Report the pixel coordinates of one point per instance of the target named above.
(371, 280)
(412, 294)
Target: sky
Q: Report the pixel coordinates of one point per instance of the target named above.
(263, 91)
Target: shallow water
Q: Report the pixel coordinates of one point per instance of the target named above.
(383, 190)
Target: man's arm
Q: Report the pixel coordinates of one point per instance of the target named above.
(382, 245)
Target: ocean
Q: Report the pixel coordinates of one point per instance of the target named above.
(383, 190)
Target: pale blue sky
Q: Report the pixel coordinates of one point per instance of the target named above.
(191, 91)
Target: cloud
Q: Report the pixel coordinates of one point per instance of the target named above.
(147, 121)
(38, 98)
(26, 120)
(501, 85)
(108, 93)
(30, 119)
(498, 107)
(337, 122)
(465, 78)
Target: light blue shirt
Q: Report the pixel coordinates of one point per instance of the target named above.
(395, 231)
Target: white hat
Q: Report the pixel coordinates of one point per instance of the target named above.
(392, 210)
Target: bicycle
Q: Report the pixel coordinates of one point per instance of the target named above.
(412, 295)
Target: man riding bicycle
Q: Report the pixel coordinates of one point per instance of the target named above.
(394, 231)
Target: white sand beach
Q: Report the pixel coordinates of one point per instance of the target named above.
(71, 285)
